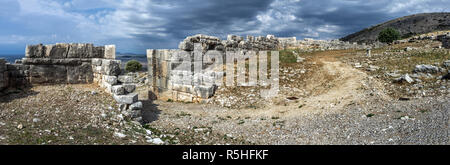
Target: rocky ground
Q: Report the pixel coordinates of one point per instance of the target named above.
(322, 100)
(330, 97)
(67, 114)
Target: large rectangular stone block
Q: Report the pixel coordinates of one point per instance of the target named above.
(129, 88)
(107, 86)
(48, 74)
(179, 56)
(118, 90)
(98, 52)
(184, 97)
(80, 74)
(110, 52)
(35, 51)
(126, 99)
(126, 79)
(110, 79)
(96, 62)
(80, 51)
(164, 69)
(204, 91)
(111, 67)
(162, 82)
(60, 50)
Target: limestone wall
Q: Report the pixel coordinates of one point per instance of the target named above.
(12, 75)
(73, 64)
(169, 79)
(63, 63)
(51, 64)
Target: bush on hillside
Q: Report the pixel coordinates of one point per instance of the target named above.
(388, 35)
(133, 66)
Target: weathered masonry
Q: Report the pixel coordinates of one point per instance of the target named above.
(51, 64)
(63, 63)
(170, 78)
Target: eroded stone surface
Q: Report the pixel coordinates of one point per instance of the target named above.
(126, 99)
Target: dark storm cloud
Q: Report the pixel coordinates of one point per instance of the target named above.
(136, 25)
(325, 19)
(191, 17)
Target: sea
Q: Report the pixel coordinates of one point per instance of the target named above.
(11, 58)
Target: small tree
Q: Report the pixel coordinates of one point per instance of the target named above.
(388, 35)
(133, 66)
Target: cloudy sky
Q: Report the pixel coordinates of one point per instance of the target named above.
(136, 25)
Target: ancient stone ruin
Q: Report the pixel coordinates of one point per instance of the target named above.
(443, 38)
(170, 78)
(63, 63)
(311, 44)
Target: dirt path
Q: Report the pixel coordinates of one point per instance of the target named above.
(333, 86)
(343, 105)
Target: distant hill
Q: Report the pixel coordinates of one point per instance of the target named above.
(407, 26)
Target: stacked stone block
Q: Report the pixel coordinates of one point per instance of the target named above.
(121, 87)
(233, 42)
(74, 63)
(124, 93)
(168, 78)
(171, 78)
(13, 75)
(62, 62)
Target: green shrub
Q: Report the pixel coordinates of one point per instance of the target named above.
(286, 56)
(388, 35)
(133, 66)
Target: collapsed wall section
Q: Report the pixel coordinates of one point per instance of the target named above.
(233, 42)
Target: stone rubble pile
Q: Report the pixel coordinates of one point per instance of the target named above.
(421, 71)
(233, 42)
(121, 87)
(311, 44)
(443, 38)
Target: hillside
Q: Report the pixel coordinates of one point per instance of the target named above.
(407, 26)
